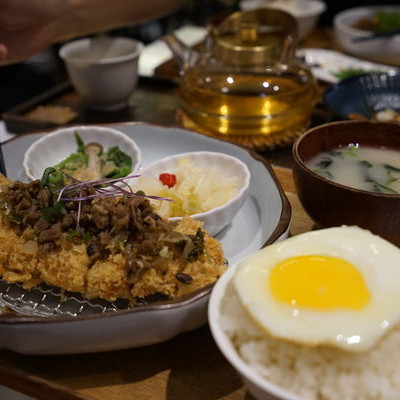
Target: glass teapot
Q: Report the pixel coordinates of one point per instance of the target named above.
(245, 80)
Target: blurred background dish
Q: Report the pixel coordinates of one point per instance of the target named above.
(333, 66)
(355, 23)
(103, 70)
(306, 12)
(367, 96)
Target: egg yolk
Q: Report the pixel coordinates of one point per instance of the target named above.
(319, 282)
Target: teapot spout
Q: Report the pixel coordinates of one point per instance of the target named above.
(183, 54)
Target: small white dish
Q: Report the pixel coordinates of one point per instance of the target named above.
(103, 70)
(54, 147)
(381, 50)
(259, 387)
(227, 166)
(326, 64)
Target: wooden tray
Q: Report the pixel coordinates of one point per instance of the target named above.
(17, 120)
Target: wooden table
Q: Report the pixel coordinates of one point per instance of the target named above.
(189, 366)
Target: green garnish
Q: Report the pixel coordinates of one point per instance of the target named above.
(387, 21)
(382, 188)
(71, 234)
(51, 178)
(87, 236)
(55, 209)
(349, 73)
(323, 172)
(325, 163)
(365, 164)
(78, 234)
(79, 142)
(73, 162)
(122, 162)
(391, 179)
(391, 168)
(352, 150)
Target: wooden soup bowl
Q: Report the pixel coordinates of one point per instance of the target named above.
(332, 204)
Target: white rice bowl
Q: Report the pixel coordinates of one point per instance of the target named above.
(310, 373)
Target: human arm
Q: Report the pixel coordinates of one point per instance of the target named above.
(28, 27)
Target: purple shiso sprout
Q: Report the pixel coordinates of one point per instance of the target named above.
(112, 191)
(78, 217)
(65, 194)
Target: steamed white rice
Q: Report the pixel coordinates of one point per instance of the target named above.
(314, 373)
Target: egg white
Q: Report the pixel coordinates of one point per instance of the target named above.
(353, 330)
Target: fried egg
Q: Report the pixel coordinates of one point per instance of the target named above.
(336, 286)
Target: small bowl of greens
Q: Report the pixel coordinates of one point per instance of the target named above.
(348, 173)
(83, 153)
(370, 32)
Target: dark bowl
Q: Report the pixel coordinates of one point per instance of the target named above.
(332, 204)
(364, 94)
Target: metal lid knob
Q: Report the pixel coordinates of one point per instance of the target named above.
(254, 37)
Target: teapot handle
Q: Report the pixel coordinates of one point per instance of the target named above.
(183, 54)
(288, 48)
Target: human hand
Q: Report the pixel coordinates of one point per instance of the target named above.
(28, 27)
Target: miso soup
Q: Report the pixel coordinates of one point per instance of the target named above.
(361, 167)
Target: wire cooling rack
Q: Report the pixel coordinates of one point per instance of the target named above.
(51, 301)
(46, 301)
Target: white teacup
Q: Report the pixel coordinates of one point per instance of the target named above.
(103, 70)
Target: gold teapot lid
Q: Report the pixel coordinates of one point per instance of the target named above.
(255, 37)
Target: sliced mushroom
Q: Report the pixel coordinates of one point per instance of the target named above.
(93, 150)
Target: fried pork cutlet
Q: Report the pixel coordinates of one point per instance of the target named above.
(102, 247)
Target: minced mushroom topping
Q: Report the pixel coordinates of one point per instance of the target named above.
(107, 225)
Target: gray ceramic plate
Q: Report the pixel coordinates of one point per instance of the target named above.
(77, 326)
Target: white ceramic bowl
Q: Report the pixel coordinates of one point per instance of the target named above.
(306, 12)
(103, 70)
(54, 147)
(227, 166)
(382, 50)
(260, 388)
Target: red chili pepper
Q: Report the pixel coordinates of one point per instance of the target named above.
(168, 179)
